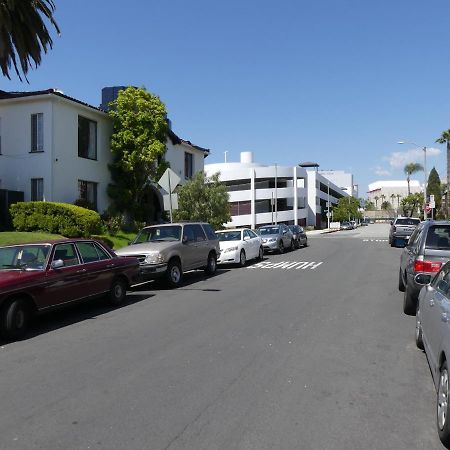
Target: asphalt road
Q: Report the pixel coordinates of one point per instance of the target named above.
(312, 355)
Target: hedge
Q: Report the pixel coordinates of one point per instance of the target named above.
(58, 218)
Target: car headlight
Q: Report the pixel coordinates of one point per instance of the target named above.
(272, 239)
(230, 249)
(154, 258)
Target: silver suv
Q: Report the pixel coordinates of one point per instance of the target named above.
(171, 249)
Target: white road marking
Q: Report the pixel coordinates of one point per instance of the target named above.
(287, 265)
(375, 240)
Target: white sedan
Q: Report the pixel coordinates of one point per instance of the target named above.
(239, 245)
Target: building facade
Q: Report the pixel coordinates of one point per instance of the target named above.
(342, 179)
(392, 191)
(261, 194)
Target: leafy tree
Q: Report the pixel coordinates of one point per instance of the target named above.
(434, 188)
(411, 202)
(409, 169)
(369, 206)
(138, 144)
(203, 198)
(23, 34)
(347, 209)
(386, 205)
(376, 198)
(445, 139)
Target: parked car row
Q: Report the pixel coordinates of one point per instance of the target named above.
(41, 276)
(424, 278)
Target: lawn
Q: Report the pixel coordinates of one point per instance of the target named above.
(16, 237)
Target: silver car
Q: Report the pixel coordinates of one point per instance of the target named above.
(171, 249)
(276, 238)
(433, 336)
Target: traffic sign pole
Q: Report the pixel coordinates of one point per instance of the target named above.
(170, 198)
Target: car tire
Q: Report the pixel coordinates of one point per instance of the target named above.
(306, 243)
(401, 285)
(211, 264)
(15, 319)
(409, 304)
(174, 274)
(118, 292)
(261, 254)
(419, 339)
(280, 247)
(442, 406)
(292, 247)
(242, 258)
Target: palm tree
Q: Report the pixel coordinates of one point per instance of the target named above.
(382, 197)
(23, 34)
(392, 199)
(376, 198)
(445, 138)
(398, 200)
(409, 169)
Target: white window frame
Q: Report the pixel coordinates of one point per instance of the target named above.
(37, 133)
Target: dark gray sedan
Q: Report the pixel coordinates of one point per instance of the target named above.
(433, 336)
(299, 236)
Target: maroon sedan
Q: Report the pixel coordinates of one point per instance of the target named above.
(39, 276)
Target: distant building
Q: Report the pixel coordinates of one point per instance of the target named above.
(391, 191)
(342, 179)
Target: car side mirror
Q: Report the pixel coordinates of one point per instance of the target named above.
(422, 279)
(57, 264)
(392, 222)
(185, 239)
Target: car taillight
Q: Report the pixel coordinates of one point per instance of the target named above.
(427, 266)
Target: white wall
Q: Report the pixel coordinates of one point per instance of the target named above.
(175, 156)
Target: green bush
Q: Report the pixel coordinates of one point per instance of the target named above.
(104, 239)
(57, 218)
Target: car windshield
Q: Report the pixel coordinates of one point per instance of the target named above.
(293, 228)
(24, 257)
(269, 230)
(438, 237)
(408, 221)
(159, 233)
(224, 236)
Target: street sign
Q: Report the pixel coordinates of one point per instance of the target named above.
(167, 201)
(169, 180)
(432, 204)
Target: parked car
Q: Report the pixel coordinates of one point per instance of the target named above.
(237, 246)
(39, 276)
(299, 236)
(353, 224)
(346, 226)
(276, 238)
(433, 336)
(426, 251)
(402, 228)
(171, 249)
(365, 222)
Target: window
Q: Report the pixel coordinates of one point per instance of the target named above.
(88, 191)
(87, 138)
(199, 234)
(90, 252)
(37, 132)
(188, 165)
(67, 253)
(209, 231)
(37, 189)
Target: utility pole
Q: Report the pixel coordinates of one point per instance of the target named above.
(328, 206)
(225, 154)
(276, 195)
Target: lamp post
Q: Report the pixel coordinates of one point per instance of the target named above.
(328, 206)
(424, 148)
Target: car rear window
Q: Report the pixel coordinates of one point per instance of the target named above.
(438, 237)
(407, 221)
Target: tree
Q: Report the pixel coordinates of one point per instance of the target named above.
(398, 200)
(411, 202)
(369, 206)
(138, 144)
(376, 198)
(434, 188)
(445, 139)
(409, 169)
(385, 206)
(347, 209)
(204, 199)
(23, 34)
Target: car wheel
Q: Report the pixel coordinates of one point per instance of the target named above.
(442, 406)
(409, 304)
(292, 246)
(15, 319)
(281, 247)
(261, 254)
(242, 259)
(211, 265)
(306, 243)
(174, 273)
(419, 340)
(118, 292)
(401, 285)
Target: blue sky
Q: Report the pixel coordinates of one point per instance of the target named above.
(337, 82)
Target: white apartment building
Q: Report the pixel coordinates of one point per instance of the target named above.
(391, 191)
(342, 179)
(56, 148)
(261, 194)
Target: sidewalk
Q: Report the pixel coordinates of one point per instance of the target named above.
(324, 231)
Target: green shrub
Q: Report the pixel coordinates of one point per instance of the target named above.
(84, 204)
(58, 218)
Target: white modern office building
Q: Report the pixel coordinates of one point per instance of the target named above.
(262, 194)
(391, 191)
